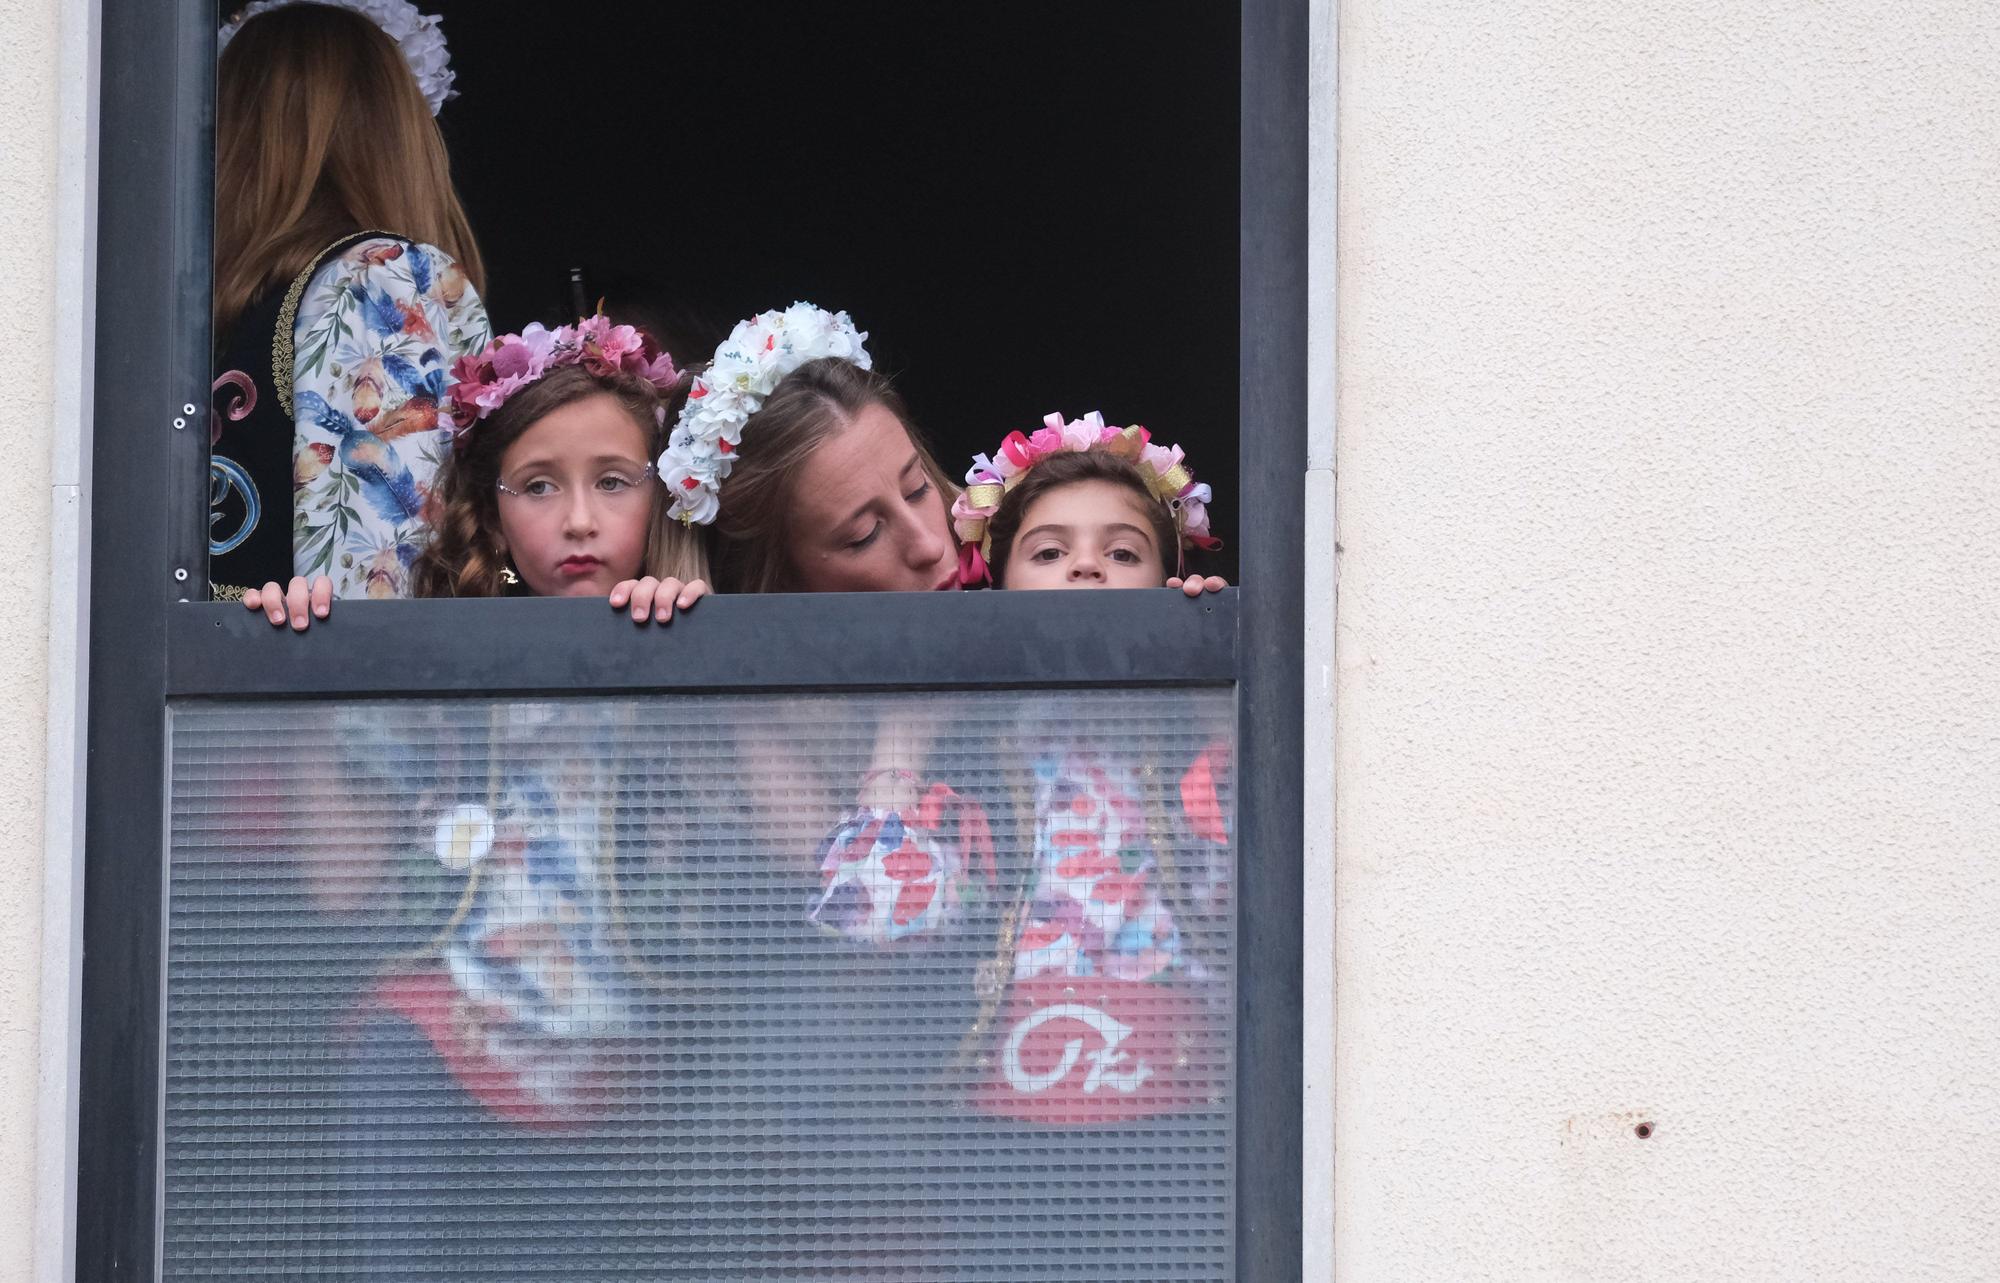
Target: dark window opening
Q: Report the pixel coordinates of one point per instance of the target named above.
(1030, 207)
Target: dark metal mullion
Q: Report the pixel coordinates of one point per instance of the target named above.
(1270, 710)
(843, 641)
(191, 367)
(146, 500)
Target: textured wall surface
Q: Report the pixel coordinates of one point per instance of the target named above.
(27, 282)
(1669, 645)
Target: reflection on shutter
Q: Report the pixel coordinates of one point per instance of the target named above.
(582, 989)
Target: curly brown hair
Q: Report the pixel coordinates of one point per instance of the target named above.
(1068, 468)
(463, 558)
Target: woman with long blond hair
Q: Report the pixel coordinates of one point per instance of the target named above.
(346, 286)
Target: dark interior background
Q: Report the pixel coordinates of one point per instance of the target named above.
(1029, 206)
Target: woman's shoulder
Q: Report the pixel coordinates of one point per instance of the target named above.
(398, 290)
(376, 249)
(396, 265)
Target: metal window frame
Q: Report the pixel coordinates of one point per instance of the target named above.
(152, 639)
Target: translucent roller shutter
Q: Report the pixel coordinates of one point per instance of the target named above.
(600, 989)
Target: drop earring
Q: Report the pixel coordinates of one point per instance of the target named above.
(507, 575)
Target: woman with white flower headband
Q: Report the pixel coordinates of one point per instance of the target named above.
(347, 283)
(796, 468)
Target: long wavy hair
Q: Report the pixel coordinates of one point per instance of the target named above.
(463, 558)
(748, 544)
(321, 132)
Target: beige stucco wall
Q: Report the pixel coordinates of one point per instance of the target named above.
(1669, 740)
(28, 103)
(1669, 641)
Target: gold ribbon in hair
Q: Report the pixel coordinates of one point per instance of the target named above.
(987, 494)
(1169, 484)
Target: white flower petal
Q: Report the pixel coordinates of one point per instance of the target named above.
(416, 34)
(747, 368)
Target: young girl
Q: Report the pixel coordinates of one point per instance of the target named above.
(1081, 504)
(1078, 504)
(548, 491)
(509, 1034)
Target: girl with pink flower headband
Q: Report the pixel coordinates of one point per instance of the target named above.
(549, 490)
(1082, 504)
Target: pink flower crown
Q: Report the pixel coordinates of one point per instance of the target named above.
(989, 479)
(483, 382)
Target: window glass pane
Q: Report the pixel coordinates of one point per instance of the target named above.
(630, 988)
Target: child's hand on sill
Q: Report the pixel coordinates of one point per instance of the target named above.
(657, 599)
(301, 602)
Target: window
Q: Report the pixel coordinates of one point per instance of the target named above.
(785, 1110)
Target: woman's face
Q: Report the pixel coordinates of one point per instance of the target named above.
(576, 499)
(867, 517)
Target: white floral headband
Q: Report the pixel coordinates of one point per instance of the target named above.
(416, 33)
(759, 353)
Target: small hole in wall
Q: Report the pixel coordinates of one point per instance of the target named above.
(1643, 1131)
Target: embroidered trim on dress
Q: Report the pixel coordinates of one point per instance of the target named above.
(282, 355)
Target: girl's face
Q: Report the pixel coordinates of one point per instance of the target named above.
(867, 517)
(1088, 534)
(576, 498)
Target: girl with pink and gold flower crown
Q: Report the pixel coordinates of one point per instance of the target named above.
(1095, 933)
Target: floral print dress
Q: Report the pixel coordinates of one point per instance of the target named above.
(377, 331)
